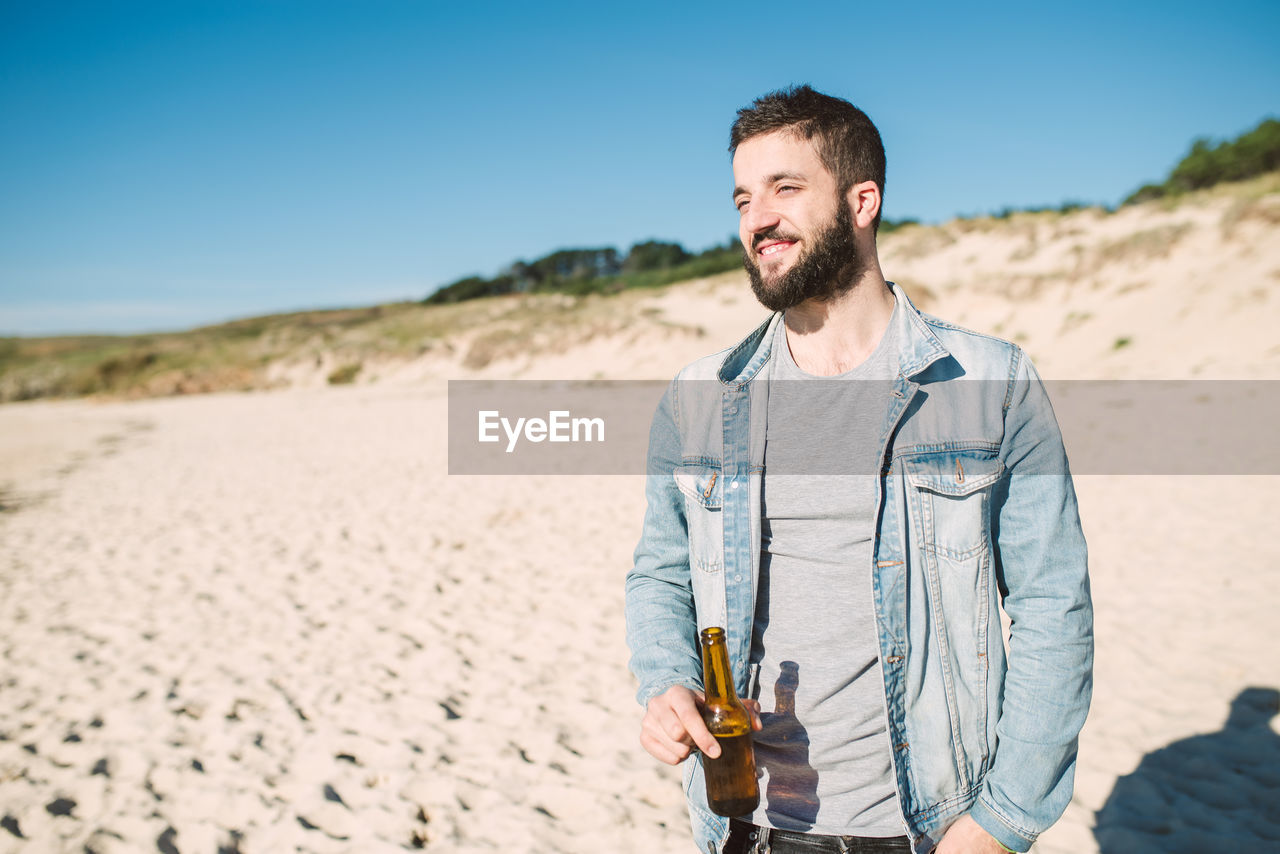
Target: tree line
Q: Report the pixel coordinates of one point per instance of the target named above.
(1253, 153)
(651, 263)
(602, 270)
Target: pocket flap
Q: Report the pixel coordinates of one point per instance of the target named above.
(953, 473)
(702, 484)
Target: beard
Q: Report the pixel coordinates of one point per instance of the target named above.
(826, 270)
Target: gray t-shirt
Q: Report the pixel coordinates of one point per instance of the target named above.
(824, 751)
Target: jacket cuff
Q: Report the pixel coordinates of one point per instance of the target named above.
(999, 827)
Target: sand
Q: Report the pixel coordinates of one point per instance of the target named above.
(268, 621)
(272, 622)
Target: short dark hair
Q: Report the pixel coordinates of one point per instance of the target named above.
(846, 140)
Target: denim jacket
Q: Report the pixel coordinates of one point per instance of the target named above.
(976, 511)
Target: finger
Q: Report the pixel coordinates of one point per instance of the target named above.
(665, 707)
(691, 719)
(666, 722)
(661, 753)
(662, 728)
(753, 708)
(663, 750)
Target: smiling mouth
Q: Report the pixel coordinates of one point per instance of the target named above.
(774, 249)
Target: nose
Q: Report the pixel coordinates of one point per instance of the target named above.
(760, 217)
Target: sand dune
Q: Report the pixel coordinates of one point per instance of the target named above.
(272, 622)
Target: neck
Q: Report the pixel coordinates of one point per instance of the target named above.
(836, 335)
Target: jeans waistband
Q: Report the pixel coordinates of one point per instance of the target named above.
(747, 838)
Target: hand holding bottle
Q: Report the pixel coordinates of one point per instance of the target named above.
(673, 725)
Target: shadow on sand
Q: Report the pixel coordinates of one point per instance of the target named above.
(1217, 792)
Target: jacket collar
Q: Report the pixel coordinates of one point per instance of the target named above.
(918, 346)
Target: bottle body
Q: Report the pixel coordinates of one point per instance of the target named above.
(732, 789)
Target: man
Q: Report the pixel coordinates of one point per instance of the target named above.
(853, 492)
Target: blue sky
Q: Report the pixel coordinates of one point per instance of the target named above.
(169, 164)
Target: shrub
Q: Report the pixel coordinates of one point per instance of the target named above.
(345, 374)
(1253, 153)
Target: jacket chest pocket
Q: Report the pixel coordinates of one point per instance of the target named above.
(952, 494)
(703, 490)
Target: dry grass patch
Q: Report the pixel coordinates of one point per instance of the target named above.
(1261, 209)
(1142, 245)
(917, 241)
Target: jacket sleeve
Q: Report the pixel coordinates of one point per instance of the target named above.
(661, 618)
(1042, 569)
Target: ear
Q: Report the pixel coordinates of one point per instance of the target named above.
(864, 203)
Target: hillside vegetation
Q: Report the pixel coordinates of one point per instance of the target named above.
(1207, 164)
(589, 271)
(1069, 271)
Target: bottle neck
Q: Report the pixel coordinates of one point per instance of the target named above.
(717, 679)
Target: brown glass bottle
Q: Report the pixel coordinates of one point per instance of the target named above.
(731, 778)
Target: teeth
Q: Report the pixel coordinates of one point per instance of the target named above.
(776, 247)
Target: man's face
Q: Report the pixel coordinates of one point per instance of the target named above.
(796, 231)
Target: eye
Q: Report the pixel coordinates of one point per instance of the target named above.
(741, 204)
(785, 187)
